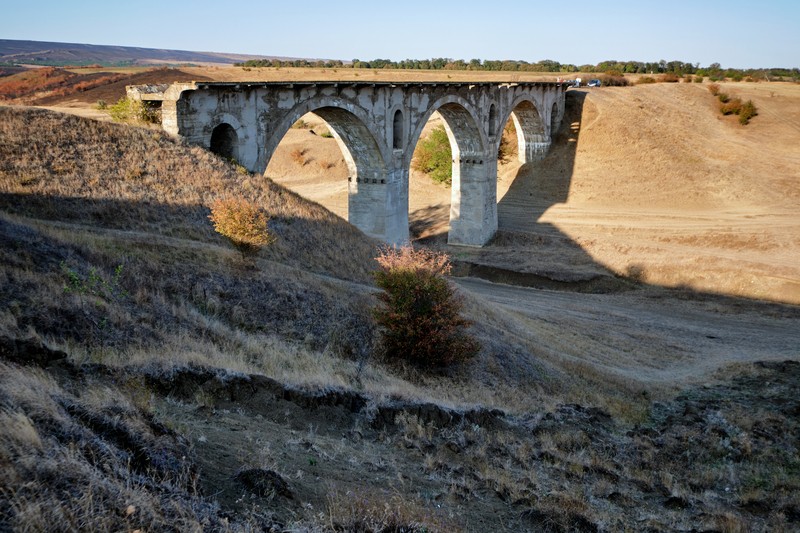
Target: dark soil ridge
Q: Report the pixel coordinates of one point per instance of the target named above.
(255, 392)
(258, 392)
(672, 467)
(596, 284)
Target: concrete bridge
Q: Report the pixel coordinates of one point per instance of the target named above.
(377, 126)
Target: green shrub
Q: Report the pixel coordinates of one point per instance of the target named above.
(747, 112)
(434, 157)
(127, 110)
(723, 97)
(698, 79)
(242, 222)
(419, 313)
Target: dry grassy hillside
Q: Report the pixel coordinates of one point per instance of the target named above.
(152, 379)
(84, 196)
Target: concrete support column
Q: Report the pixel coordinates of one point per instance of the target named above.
(397, 205)
(378, 204)
(367, 202)
(473, 204)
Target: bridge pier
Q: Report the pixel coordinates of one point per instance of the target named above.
(378, 204)
(473, 200)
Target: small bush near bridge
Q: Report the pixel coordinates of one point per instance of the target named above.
(243, 223)
(420, 312)
(611, 80)
(127, 110)
(434, 157)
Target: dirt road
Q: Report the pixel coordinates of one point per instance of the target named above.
(648, 335)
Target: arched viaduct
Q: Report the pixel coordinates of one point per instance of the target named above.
(377, 126)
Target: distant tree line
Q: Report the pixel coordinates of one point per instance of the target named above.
(679, 68)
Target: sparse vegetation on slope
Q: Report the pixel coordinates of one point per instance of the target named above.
(434, 157)
(733, 105)
(92, 460)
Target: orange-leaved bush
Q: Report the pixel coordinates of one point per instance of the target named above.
(420, 313)
(243, 222)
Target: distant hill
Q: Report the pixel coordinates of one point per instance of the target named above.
(58, 54)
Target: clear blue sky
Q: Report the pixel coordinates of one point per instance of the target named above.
(735, 33)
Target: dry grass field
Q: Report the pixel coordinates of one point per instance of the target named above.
(639, 368)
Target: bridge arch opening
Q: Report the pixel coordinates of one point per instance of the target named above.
(328, 155)
(225, 141)
(471, 193)
(532, 139)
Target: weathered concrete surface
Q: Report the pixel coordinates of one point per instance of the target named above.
(377, 126)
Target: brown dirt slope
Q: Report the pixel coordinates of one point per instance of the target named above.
(112, 92)
(651, 182)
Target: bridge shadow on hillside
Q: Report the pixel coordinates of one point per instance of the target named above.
(539, 185)
(527, 251)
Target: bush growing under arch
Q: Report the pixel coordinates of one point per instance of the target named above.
(434, 157)
(419, 313)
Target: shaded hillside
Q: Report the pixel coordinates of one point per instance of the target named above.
(82, 198)
(85, 196)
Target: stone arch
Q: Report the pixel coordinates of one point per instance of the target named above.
(224, 141)
(397, 130)
(226, 137)
(473, 209)
(532, 138)
(363, 152)
(350, 126)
